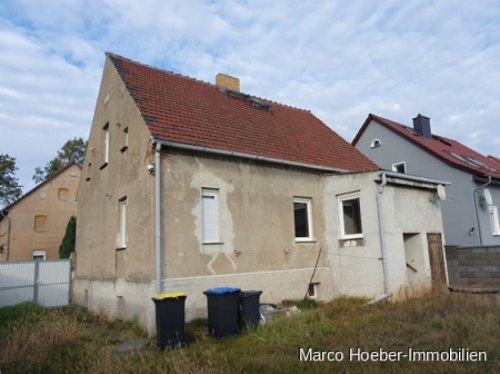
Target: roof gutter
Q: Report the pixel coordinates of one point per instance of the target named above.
(414, 178)
(474, 197)
(247, 156)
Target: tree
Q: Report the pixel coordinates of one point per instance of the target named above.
(72, 151)
(10, 190)
(68, 243)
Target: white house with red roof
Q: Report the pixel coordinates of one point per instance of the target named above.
(470, 211)
(189, 185)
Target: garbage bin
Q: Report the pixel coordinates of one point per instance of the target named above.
(249, 309)
(222, 305)
(170, 319)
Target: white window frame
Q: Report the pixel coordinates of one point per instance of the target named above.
(39, 253)
(308, 202)
(105, 149)
(314, 288)
(394, 166)
(494, 220)
(340, 200)
(123, 223)
(375, 143)
(214, 236)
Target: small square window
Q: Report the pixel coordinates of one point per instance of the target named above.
(399, 167)
(40, 223)
(350, 216)
(302, 219)
(39, 255)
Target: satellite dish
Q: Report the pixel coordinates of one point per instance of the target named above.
(441, 192)
(487, 196)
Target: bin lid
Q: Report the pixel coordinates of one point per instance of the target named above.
(221, 290)
(168, 295)
(247, 293)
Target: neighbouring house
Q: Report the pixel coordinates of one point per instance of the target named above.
(188, 185)
(470, 212)
(33, 226)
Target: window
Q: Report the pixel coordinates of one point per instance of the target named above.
(63, 194)
(210, 215)
(125, 140)
(399, 167)
(122, 223)
(375, 143)
(495, 223)
(302, 219)
(350, 216)
(105, 145)
(38, 255)
(312, 292)
(40, 223)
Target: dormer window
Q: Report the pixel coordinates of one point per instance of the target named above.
(399, 167)
(375, 143)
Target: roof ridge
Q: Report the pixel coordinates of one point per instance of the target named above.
(110, 54)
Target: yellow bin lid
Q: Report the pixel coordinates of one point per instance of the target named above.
(168, 295)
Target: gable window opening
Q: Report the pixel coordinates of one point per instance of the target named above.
(210, 216)
(302, 219)
(350, 216)
(494, 220)
(399, 167)
(375, 143)
(105, 146)
(122, 225)
(63, 194)
(125, 141)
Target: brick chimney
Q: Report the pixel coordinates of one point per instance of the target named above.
(226, 81)
(422, 126)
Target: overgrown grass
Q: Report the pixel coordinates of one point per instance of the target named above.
(73, 340)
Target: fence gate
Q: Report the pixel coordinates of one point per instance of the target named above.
(44, 282)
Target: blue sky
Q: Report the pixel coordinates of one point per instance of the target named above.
(339, 59)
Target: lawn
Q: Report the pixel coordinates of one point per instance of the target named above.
(33, 339)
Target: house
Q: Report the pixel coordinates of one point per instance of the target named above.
(470, 212)
(33, 226)
(188, 185)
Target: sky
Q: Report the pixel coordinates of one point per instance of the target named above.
(340, 59)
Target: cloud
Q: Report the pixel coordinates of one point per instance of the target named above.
(342, 60)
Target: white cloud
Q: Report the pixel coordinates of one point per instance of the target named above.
(342, 60)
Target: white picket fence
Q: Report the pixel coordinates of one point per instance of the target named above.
(44, 282)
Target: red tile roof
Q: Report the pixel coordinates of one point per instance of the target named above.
(496, 159)
(450, 151)
(184, 110)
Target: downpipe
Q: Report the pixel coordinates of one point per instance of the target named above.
(474, 198)
(158, 206)
(383, 250)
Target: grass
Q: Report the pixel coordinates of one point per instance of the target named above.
(73, 340)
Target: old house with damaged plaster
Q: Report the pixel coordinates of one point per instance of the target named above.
(188, 185)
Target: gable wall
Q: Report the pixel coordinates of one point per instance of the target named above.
(101, 188)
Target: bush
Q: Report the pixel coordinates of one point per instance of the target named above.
(68, 243)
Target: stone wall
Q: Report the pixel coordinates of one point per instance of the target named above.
(473, 266)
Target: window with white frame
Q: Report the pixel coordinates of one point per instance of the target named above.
(495, 222)
(210, 215)
(105, 145)
(350, 216)
(399, 167)
(122, 223)
(302, 218)
(39, 255)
